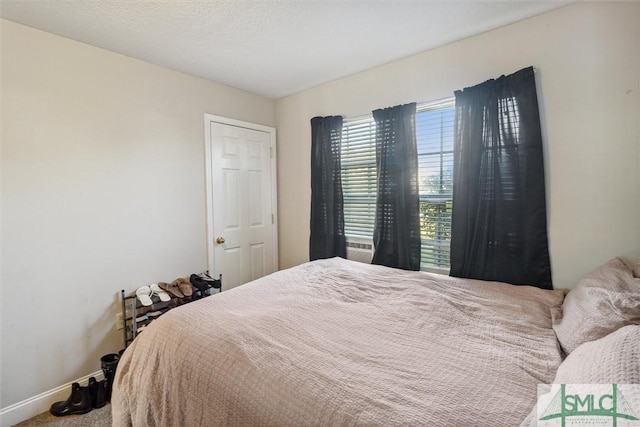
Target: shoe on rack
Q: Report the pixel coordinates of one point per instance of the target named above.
(184, 285)
(142, 318)
(204, 282)
(98, 392)
(144, 295)
(171, 288)
(79, 402)
(156, 290)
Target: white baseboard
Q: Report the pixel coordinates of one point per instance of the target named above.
(35, 405)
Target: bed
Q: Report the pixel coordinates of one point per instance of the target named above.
(335, 342)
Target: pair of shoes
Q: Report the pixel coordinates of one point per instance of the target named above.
(204, 282)
(82, 399)
(172, 289)
(79, 402)
(179, 288)
(144, 294)
(184, 285)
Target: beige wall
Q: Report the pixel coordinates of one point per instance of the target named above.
(587, 58)
(102, 190)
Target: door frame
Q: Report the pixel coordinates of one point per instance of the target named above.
(211, 118)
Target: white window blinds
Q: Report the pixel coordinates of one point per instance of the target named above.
(358, 158)
(434, 133)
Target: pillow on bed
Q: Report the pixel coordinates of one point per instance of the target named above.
(604, 300)
(612, 359)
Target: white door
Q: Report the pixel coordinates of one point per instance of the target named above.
(241, 200)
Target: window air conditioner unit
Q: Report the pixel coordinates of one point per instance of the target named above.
(361, 251)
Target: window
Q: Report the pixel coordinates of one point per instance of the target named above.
(358, 159)
(434, 133)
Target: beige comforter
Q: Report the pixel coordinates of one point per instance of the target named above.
(335, 342)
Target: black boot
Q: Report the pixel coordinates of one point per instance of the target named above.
(79, 402)
(98, 392)
(109, 365)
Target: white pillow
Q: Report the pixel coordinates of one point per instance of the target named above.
(612, 359)
(605, 300)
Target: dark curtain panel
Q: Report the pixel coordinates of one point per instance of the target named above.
(327, 214)
(396, 234)
(499, 218)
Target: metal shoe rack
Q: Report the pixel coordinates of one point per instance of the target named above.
(136, 315)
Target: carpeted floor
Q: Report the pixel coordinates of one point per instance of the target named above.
(96, 418)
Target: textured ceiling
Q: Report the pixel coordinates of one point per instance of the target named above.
(270, 47)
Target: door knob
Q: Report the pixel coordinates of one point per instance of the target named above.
(220, 240)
